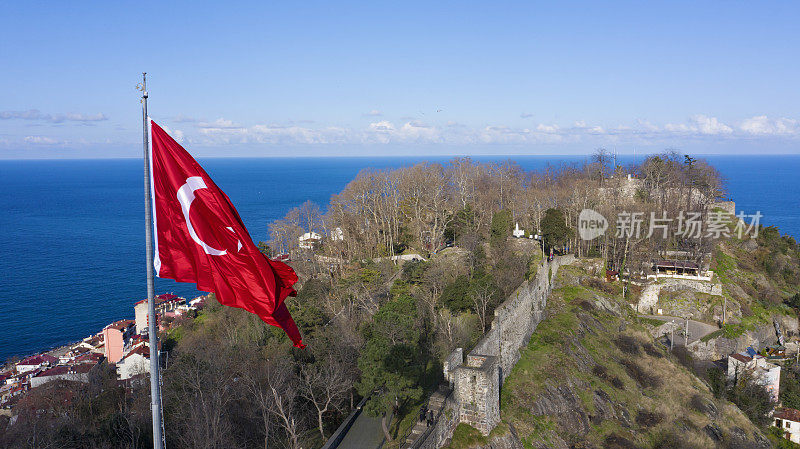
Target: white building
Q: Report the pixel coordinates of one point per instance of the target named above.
(76, 373)
(337, 235)
(517, 232)
(136, 362)
(164, 303)
(788, 420)
(36, 362)
(767, 374)
(309, 240)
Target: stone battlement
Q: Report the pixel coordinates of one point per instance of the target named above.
(476, 381)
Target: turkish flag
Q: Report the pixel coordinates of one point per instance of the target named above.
(200, 238)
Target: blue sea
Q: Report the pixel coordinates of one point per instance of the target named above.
(72, 231)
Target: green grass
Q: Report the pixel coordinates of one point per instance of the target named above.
(541, 425)
(712, 335)
(725, 265)
(651, 321)
(466, 436)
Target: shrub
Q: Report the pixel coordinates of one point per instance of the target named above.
(793, 301)
(640, 375)
(501, 226)
(648, 419)
(600, 285)
(413, 271)
(751, 398)
(717, 381)
(651, 350)
(615, 441)
(627, 344)
(600, 371)
(683, 356)
(454, 296)
(674, 440)
(703, 405)
(790, 389)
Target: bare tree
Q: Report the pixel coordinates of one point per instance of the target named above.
(325, 384)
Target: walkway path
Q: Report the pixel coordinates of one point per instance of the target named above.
(366, 433)
(697, 330)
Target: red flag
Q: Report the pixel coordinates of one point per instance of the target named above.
(200, 238)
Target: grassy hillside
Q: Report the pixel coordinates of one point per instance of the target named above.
(759, 278)
(592, 377)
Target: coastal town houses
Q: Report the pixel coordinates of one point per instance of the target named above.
(35, 362)
(166, 305)
(116, 335)
(76, 373)
(118, 343)
(788, 420)
(135, 362)
(764, 372)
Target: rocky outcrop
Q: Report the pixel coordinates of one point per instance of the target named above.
(763, 335)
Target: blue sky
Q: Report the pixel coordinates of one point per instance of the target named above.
(347, 78)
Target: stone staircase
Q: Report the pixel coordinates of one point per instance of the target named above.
(435, 403)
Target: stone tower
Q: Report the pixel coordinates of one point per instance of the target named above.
(477, 389)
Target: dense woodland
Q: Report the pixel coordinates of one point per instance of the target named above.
(373, 326)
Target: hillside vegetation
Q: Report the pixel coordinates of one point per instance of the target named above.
(592, 377)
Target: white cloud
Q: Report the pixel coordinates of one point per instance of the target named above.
(710, 125)
(374, 113)
(762, 125)
(34, 114)
(552, 129)
(220, 123)
(40, 140)
(526, 115)
(697, 127)
(382, 126)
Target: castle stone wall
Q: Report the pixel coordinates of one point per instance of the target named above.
(476, 382)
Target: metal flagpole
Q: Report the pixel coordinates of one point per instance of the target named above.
(155, 384)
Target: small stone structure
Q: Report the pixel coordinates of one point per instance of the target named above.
(478, 392)
(476, 381)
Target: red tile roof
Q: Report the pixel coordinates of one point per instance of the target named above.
(789, 414)
(121, 324)
(63, 369)
(141, 350)
(161, 298)
(92, 357)
(38, 360)
(741, 358)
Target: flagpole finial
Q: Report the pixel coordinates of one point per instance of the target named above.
(143, 85)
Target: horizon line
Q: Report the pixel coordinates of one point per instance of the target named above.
(454, 155)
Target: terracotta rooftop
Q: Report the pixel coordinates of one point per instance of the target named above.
(91, 357)
(788, 414)
(141, 350)
(161, 298)
(121, 324)
(38, 360)
(741, 357)
(63, 369)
